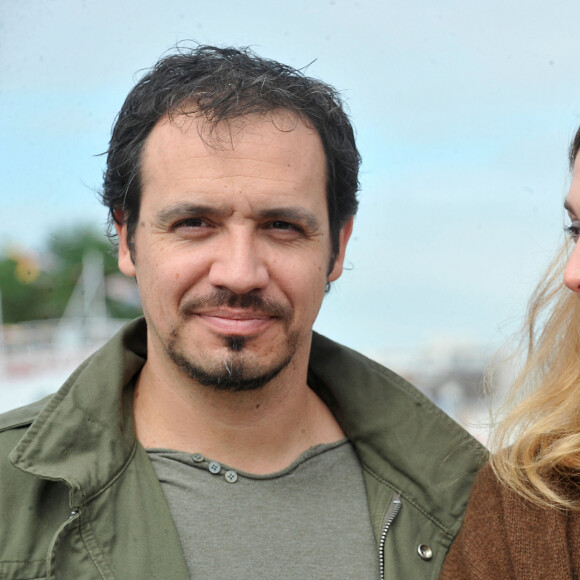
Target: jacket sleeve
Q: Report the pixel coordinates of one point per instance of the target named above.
(505, 537)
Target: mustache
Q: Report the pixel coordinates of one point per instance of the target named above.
(252, 301)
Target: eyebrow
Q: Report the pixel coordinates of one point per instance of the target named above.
(292, 214)
(181, 210)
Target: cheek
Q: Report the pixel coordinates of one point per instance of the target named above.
(165, 277)
(306, 287)
(304, 275)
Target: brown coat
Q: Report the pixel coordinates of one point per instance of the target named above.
(505, 537)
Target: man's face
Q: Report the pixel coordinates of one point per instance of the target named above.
(232, 248)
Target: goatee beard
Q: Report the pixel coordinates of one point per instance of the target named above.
(235, 343)
(231, 373)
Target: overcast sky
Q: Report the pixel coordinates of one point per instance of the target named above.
(463, 110)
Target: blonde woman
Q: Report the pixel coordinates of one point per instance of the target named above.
(523, 516)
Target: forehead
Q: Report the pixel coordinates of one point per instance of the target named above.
(279, 147)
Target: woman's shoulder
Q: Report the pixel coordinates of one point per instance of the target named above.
(506, 536)
(498, 501)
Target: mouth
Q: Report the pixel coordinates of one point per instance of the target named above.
(236, 322)
(244, 315)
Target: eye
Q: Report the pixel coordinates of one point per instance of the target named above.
(284, 226)
(192, 228)
(191, 223)
(279, 225)
(573, 230)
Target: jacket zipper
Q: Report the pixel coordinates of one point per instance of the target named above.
(390, 515)
(74, 514)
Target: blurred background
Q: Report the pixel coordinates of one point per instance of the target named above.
(463, 111)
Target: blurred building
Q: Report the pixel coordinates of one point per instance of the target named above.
(36, 357)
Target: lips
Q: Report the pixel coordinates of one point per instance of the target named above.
(241, 323)
(242, 314)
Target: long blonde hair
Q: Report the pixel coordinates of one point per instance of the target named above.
(537, 444)
(538, 441)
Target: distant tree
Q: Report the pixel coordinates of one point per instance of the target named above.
(22, 298)
(40, 288)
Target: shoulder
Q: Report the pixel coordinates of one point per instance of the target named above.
(494, 503)
(343, 365)
(14, 426)
(14, 423)
(356, 381)
(22, 416)
(505, 536)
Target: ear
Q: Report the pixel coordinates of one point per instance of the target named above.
(125, 259)
(343, 238)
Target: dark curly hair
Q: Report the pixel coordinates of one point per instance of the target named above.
(219, 84)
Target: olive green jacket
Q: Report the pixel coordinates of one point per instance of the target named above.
(80, 499)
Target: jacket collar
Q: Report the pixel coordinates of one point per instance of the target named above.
(402, 439)
(85, 435)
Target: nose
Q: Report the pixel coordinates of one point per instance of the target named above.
(572, 272)
(238, 264)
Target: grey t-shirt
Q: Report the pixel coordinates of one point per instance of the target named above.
(308, 521)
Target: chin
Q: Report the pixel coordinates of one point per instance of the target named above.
(237, 365)
(232, 373)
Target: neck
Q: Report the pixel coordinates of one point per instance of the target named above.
(258, 431)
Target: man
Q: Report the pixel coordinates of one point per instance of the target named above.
(219, 436)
